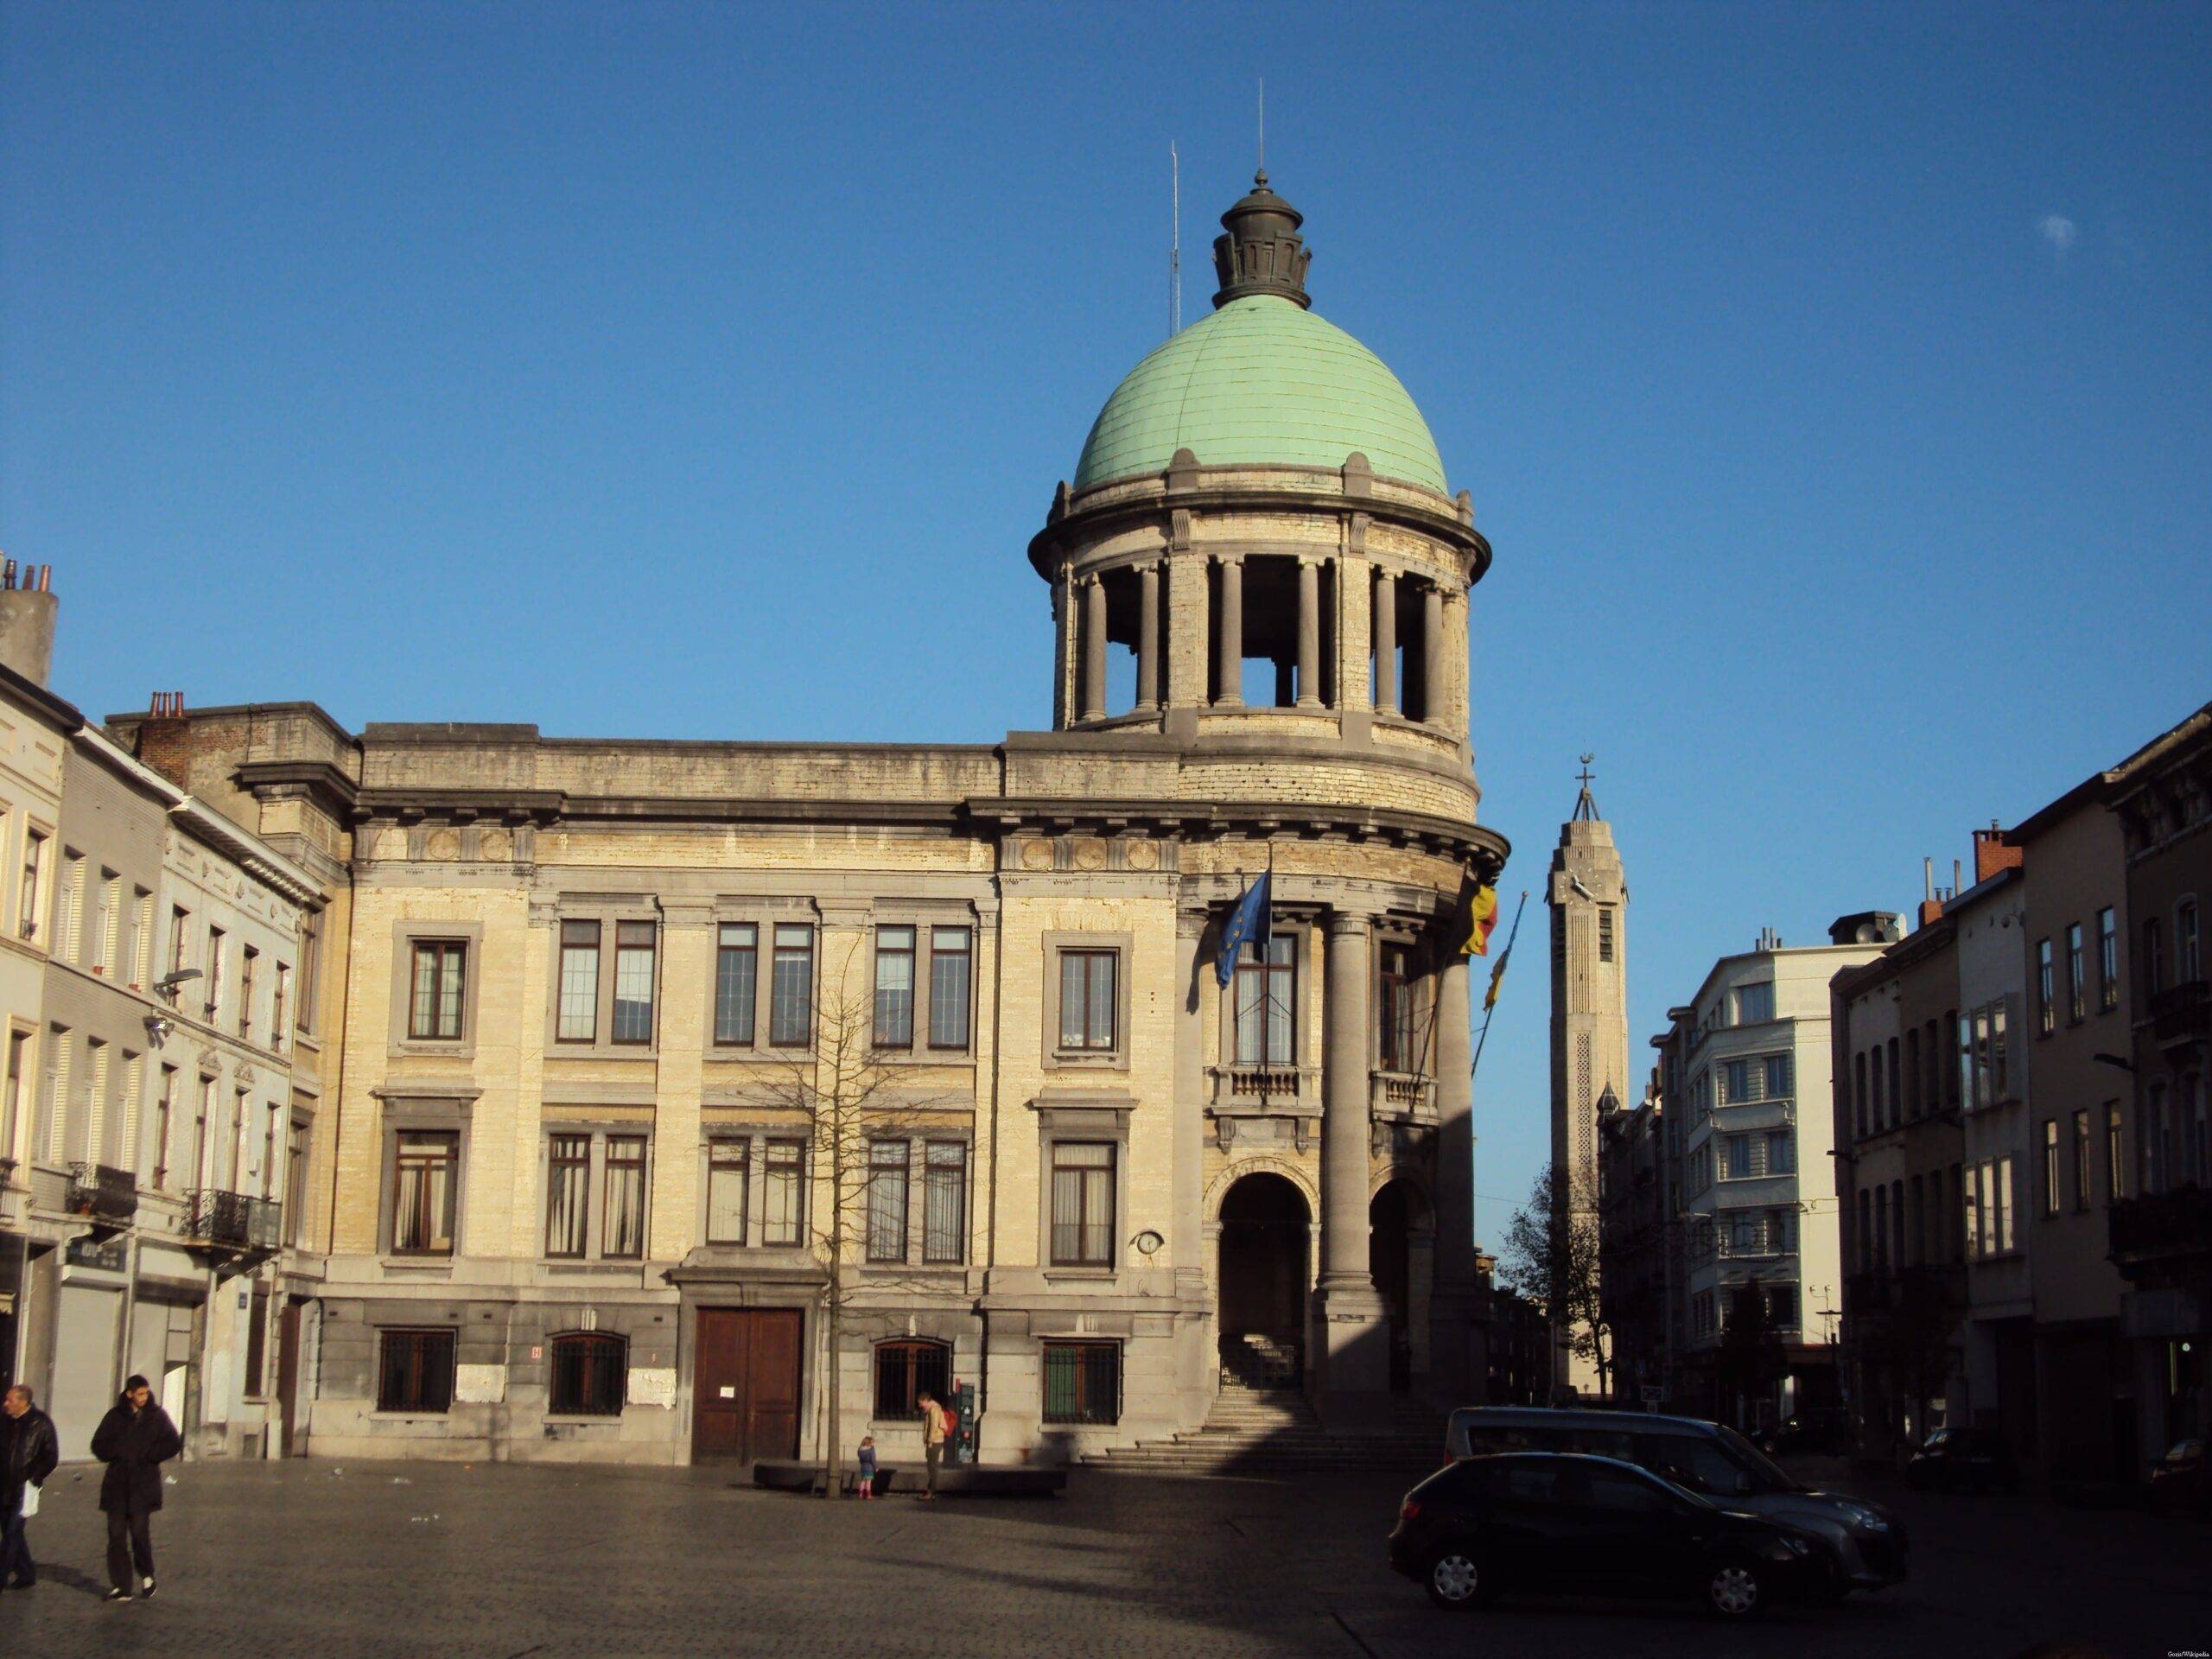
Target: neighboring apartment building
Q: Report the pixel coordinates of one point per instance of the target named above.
(35, 728)
(601, 996)
(2161, 1233)
(1758, 1184)
(1635, 1238)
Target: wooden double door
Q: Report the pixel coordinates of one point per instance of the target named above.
(744, 1382)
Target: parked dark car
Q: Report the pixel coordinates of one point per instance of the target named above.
(2180, 1482)
(1563, 1523)
(1963, 1460)
(1820, 1429)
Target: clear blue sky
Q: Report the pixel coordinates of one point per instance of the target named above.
(1831, 381)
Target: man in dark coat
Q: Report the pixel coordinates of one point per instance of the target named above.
(134, 1440)
(28, 1453)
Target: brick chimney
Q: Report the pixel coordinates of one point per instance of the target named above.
(164, 738)
(27, 608)
(1993, 854)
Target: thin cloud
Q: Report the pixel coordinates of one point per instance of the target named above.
(2057, 230)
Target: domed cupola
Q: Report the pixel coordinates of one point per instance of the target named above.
(1260, 519)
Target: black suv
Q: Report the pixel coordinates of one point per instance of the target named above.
(1556, 1522)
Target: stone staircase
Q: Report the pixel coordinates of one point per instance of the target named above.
(1260, 1425)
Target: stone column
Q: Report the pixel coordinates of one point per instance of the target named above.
(1355, 1368)
(1229, 647)
(1458, 1358)
(1386, 643)
(1148, 639)
(1094, 648)
(1309, 633)
(1197, 1362)
(1433, 680)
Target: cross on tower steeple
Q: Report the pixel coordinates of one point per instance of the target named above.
(1586, 805)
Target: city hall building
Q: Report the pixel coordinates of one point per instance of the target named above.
(619, 1040)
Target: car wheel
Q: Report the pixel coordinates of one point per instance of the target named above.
(1734, 1590)
(1455, 1580)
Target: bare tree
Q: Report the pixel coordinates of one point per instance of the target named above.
(847, 1093)
(1551, 1256)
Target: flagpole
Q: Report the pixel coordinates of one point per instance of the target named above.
(1490, 1013)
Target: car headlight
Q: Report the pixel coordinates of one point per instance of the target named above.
(1868, 1519)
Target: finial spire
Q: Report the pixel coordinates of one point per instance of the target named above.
(1586, 803)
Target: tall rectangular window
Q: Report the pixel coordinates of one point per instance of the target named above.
(578, 1018)
(944, 1202)
(1777, 1076)
(2081, 1159)
(895, 988)
(1738, 1153)
(1088, 999)
(1981, 1095)
(1604, 932)
(218, 953)
(2004, 1204)
(2046, 989)
(435, 1005)
(2107, 960)
(277, 996)
(951, 966)
(248, 966)
(1780, 1152)
(1083, 1203)
(2050, 1167)
(1265, 995)
(2188, 963)
(179, 942)
(1897, 1091)
(623, 1220)
(791, 987)
(27, 899)
(107, 919)
(1754, 1003)
(13, 1108)
(296, 1183)
(568, 1195)
(728, 1169)
(1912, 1072)
(2000, 1083)
(69, 896)
(634, 953)
(2115, 1154)
(256, 1343)
(424, 1186)
(886, 1200)
(1395, 1046)
(782, 1193)
(2154, 955)
(2077, 978)
(737, 977)
(310, 959)
(1735, 1081)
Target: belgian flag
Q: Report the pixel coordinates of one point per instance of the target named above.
(1474, 914)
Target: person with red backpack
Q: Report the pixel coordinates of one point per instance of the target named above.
(936, 1429)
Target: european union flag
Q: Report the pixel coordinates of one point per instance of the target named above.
(1247, 921)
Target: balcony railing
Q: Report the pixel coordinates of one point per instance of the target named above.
(235, 1221)
(1252, 1085)
(2161, 1225)
(104, 1194)
(2182, 1013)
(1402, 1094)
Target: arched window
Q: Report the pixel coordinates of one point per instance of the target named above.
(904, 1371)
(591, 1372)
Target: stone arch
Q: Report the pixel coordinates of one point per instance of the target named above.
(1264, 1254)
(1261, 1164)
(1402, 1254)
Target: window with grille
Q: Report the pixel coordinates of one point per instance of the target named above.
(895, 988)
(886, 1200)
(415, 1371)
(1088, 999)
(1082, 1383)
(951, 975)
(791, 991)
(1083, 1203)
(728, 1167)
(737, 975)
(434, 1009)
(944, 1202)
(590, 1373)
(1267, 974)
(1604, 932)
(906, 1371)
(424, 1190)
(782, 1193)
(623, 1219)
(567, 1188)
(578, 1019)
(634, 954)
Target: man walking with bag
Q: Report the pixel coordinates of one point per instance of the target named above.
(134, 1440)
(28, 1453)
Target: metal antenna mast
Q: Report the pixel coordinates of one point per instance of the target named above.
(1263, 125)
(1175, 244)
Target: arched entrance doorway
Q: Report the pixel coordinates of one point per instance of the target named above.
(1398, 1237)
(1264, 1227)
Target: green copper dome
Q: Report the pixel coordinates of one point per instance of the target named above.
(1261, 380)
